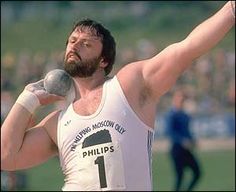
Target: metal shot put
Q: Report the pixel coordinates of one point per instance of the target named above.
(57, 82)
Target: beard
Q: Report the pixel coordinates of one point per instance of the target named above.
(85, 68)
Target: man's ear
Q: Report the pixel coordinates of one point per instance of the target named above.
(103, 64)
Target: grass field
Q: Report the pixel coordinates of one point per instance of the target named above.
(218, 173)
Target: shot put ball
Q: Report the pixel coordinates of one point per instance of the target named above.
(58, 82)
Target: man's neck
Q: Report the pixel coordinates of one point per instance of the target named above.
(84, 86)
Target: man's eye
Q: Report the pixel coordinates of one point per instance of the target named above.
(72, 40)
(86, 44)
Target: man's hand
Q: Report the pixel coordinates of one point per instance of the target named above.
(233, 7)
(43, 96)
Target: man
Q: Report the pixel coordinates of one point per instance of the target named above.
(104, 137)
(182, 142)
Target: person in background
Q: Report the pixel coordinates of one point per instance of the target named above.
(182, 142)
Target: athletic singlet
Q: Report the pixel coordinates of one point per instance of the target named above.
(108, 150)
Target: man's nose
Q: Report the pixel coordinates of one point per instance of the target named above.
(76, 46)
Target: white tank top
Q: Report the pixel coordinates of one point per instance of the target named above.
(108, 150)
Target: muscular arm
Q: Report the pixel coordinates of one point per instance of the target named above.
(161, 72)
(144, 82)
(22, 147)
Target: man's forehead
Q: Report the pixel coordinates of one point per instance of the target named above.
(85, 33)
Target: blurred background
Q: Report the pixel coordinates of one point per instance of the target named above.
(33, 37)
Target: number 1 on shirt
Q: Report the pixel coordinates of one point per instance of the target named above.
(102, 172)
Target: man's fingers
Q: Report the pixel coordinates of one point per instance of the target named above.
(57, 96)
(35, 86)
(40, 83)
(44, 97)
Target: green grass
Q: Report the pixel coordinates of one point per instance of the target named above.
(218, 173)
(46, 177)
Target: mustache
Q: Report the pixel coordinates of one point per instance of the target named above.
(75, 53)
